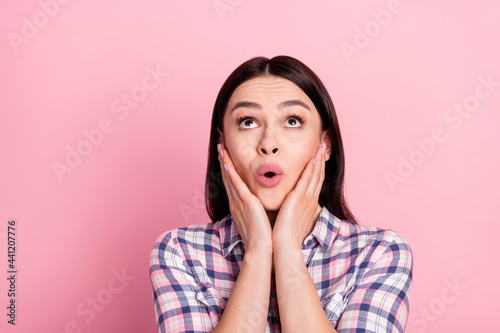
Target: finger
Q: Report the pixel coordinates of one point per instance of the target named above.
(225, 178)
(305, 179)
(322, 173)
(316, 172)
(239, 189)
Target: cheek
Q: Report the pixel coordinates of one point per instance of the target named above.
(303, 152)
(240, 161)
(300, 166)
(296, 167)
(236, 142)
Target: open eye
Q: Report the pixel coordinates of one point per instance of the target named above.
(294, 121)
(247, 122)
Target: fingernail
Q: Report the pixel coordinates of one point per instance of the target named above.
(324, 148)
(314, 161)
(219, 148)
(225, 167)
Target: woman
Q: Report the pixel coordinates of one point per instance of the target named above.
(284, 253)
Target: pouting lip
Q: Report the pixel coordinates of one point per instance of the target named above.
(263, 169)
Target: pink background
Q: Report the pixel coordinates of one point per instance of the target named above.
(66, 75)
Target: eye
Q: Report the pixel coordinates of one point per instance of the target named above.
(246, 122)
(294, 121)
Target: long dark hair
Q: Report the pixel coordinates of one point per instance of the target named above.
(332, 192)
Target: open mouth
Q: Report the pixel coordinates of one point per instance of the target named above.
(269, 175)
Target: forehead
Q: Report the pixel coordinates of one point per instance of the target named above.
(273, 88)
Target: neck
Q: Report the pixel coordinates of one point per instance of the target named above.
(271, 215)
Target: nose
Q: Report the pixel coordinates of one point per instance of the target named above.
(269, 144)
(264, 151)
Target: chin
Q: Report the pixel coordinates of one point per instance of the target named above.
(272, 203)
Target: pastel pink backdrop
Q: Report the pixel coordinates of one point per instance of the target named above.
(393, 80)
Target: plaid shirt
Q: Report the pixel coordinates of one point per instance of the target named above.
(362, 274)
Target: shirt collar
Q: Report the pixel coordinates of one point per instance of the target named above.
(228, 234)
(325, 231)
(326, 228)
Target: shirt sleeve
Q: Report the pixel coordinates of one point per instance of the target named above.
(380, 303)
(182, 304)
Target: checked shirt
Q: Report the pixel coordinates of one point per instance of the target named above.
(362, 274)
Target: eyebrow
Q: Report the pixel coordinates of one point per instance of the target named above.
(253, 105)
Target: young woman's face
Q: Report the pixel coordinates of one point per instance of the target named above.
(271, 126)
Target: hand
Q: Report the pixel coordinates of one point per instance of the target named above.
(246, 209)
(300, 210)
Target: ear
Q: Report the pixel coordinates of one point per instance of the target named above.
(327, 137)
(221, 137)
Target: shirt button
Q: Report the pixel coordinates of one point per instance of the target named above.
(204, 288)
(309, 242)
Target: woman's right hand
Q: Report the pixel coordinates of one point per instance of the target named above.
(246, 209)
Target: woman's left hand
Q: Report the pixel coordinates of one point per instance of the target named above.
(300, 210)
